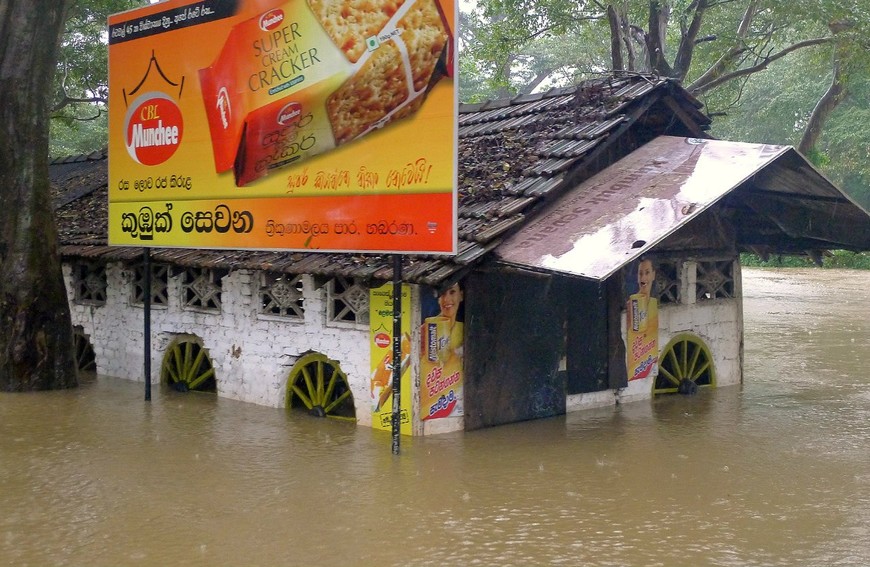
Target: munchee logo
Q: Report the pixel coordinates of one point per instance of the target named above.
(271, 19)
(153, 128)
(382, 340)
(223, 106)
(290, 112)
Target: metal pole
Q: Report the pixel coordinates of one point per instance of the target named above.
(397, 351)
(146, 299)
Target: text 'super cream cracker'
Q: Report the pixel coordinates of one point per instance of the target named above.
(264, 59)
(300, 79)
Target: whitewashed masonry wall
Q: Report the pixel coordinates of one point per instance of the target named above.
(252, 353)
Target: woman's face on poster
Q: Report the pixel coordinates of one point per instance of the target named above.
(449, 301)
(646, 276)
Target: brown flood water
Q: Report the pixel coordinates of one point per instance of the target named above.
(773, 473)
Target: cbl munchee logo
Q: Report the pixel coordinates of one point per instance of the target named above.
(288, 113)
(271, 19)
(224, 107)
(153, 128)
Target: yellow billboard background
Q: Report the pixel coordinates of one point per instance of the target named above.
(396, 183)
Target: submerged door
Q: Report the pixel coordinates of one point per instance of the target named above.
(514, 325)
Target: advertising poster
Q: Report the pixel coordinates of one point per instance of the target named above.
(442, 353)
(642, 321)
(381, 331)
(284, 125)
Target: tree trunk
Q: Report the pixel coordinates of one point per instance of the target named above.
(830, 100)
(688, 39)
(659, 14)
(36, 345)
(615, 39)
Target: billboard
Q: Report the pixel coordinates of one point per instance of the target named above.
(284, 125)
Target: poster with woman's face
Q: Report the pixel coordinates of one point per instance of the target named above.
(642, 321)
(442, 351)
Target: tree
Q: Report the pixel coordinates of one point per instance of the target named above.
(36, 344)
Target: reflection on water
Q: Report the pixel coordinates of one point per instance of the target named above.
(776, 472)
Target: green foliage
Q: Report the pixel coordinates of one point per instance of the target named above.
(73, 137)
(775, 105)
(513, 44)
(81, 85)
(841, 259)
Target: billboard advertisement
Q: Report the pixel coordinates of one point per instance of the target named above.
(442, 352)
(642, 320)
(284, 125)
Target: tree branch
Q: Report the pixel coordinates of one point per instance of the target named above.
(727, 58)
(697, 88)
(69, 101)
(833, 96)
(540, 77)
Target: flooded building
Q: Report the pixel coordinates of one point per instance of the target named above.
(599, 237)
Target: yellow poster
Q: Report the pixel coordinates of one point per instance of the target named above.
(643, 336)
(273, 124)
(442, 353)
(642, 320)
(381, 337)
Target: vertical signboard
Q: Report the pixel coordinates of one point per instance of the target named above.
(442, 353)
(284, 125)
(381, 340)
(642, 321)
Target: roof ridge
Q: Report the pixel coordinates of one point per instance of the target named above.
(491, 104)
(95, 155)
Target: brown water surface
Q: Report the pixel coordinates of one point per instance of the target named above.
(774, 473)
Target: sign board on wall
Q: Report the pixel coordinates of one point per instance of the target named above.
(284, 125)
(442, 352)
(381, 342)
(641, 320)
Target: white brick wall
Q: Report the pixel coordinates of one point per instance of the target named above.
(252, 354)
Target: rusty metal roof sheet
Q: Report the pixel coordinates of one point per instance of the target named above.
(623, 211)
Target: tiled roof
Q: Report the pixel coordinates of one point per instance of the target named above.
(514, 154)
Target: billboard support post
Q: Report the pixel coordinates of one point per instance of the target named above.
(397, 350)
(146, 300)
